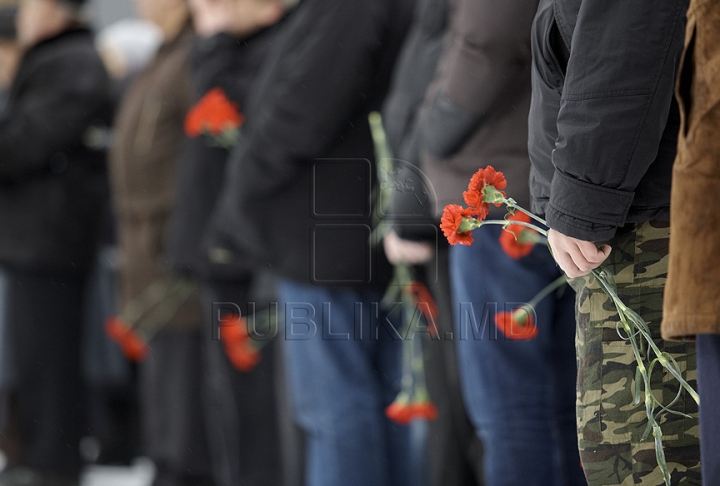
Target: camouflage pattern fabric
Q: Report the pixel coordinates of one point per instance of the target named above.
(610, 428)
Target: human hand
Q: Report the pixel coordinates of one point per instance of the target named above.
(398, 250)
(576, 257)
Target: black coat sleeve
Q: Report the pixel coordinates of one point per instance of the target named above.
(50, 114)
(615, 104)
(486, 55)
(212, 60)
(315, 85)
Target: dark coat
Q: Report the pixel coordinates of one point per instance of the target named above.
(476, 109)
(299, 199)
(53, 180)
(603, 121)
(143, 167)
(231, 64)
(411, 205)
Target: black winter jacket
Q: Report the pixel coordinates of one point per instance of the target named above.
(411, 203)
(53, 180)
(299, 199)
(231, 64)
(603, 121)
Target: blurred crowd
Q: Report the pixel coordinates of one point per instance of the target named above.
(208, 212)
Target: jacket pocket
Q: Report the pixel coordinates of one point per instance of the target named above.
(683, 91)
(558, 53)
(548, 49)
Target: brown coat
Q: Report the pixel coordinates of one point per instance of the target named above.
(476, 111)
(692, 293)
(148, 136)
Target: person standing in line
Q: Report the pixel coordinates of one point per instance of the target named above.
(603, 137)
(149, 131)
(53, 189)
(690, 306)
(234, 37)
(519, 393)
(453, 452)
(298, 202)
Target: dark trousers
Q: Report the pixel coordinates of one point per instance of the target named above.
(172, 409)
(44, 321)
(454, 452)
(240, 408)
(708, 359)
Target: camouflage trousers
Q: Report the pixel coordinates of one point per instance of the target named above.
(610, 428)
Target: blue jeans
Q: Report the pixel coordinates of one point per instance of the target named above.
(341, 378)
(708, 360)
(520, 395)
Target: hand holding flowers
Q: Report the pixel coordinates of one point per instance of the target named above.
(576, 258)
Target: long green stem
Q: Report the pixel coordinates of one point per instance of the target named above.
(508, 223)
(512, 204)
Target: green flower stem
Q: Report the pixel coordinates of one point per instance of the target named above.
(151, 296)
(511, 204)
(531, 237)
(642, 327)
(177, 295)
(556, 284)
(381, 196)
(508, 223)
(408, 375)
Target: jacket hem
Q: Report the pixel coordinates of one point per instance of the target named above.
(682, 326)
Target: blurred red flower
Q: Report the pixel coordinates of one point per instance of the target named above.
(518, 325)
(239, 348)
(244, 357)
(233, 329)
(405, 412)
(514, 239)
(213, 114)
(131, 343)
(451, 220)
(425, 303)
(400, 413)
(425, 410)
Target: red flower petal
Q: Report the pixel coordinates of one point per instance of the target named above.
(474, 195)
(133, 346)
(425, 410)
(509, 324)
(401, 413)
(243, 356)
(424, 301)
(451, 221)
(233, 329)
(214, 114)
(510, 237)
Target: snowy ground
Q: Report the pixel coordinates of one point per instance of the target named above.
(140, 474)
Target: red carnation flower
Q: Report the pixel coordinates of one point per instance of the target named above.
(239, 348)
(244, 356)
(451, 220)
(424, 301)
(131, 343)
(403, 412)
(517, 241)
(213, 114)
(425, 410)
(399, 412)
(518, 325)
(476, 194)
(233, 330)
